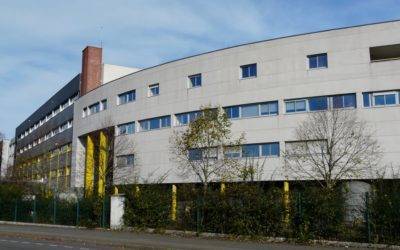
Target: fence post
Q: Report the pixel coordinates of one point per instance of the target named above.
(34, 210)
(173, 214)
(54, 209)
(300, 207)
(197, 215)
(15, 210)
(103, 214)
(77, 211)
(286, 202)
(367, 216)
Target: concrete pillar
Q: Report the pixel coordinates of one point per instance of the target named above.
(286, 200)
(102, 163)
(89, 170)
(117, 211)
(173, 214)
(354, 195)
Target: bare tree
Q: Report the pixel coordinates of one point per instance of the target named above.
(331, 145)
(199, 148)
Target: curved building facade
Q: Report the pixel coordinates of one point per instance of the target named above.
(266, 88)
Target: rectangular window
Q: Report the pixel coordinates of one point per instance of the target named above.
(344, 101)
(232, 152)
(252, 150)
(318, 103)
(195, 80)
(232, 112)
(249, 70)
(372, 99)
(104, 104)
(318, 61)
(186, 118)
(95, 108)
(130, 160)
(155, 123)
(296, 106)
(126, 97)
(195, 154)
(270, 149)
(269, 108)
(154, 90)
(250, 110)
(127, 128)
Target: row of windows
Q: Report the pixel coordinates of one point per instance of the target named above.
(44, 138)
(95, 108)
(270, 108)
(50, 115)
(321, 103)
(244, 151)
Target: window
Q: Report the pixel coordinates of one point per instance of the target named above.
(104, 104)
(318, 61)
(249, 70)
(130, 160)
(195, 155)
(232, 112)
(186, 118)
(127, 128)
(380, 98)
(126, 160)
(232, 152)
(295, 106)
(250, 110)
(95, 108)
(344, 101)
(154, 90)
(195, 80)
(386, 52)
(270, 108)
(126, 97)
(250, 151)
(155, 123)
(318, 103)
(270, 149)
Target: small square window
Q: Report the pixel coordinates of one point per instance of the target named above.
(154, 90)
(318, 61)
(195, 81)
(249, 70)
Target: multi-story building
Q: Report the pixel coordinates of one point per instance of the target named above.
(266, 88)
(43, 140)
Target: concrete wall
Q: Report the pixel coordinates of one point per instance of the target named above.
(111, 72)
(4, 147)
(282, 73)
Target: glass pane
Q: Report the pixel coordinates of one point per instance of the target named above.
(144, 125)
(165, 122)
(195, 154)
(350, 101)
(155, 123)
(131, 128)
(266, 149)
(273, 108)
(323, 60)
(193, 116)
(232, 112)
(366, 99)
(182, 119)
(250, 151)
(290, 107)
(338, 101)
(379, 100)
(253, 70)
(312, 60)
(245, 71)
(265, 109)
(318, 103)
(250, 110)
(391, 99)
(275, 149)
(300, 105)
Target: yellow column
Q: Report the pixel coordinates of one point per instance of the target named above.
(58, 169)
(137, 190)
(102, 163)
(286, 201)
(66, 172)
(89, 171)
(173, 215)
(115, 190)
(223, 188)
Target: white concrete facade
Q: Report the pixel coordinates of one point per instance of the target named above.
(282, 74)
(4, 152)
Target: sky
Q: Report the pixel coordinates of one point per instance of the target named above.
(41, 41)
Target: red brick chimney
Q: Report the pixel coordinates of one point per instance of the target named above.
(91, 69)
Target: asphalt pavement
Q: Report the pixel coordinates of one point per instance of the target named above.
(39, 237)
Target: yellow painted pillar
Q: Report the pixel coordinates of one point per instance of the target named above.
(66, 172)
(286, 201)
(58, 169)
(137, 190)
(223, 188)
(173, 215)
(89, 171)
(50, 170)
(102, 163)
(115, 190)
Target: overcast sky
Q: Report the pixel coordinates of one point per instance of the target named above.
(41, 41)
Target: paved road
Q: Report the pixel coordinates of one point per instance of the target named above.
(43, 238)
